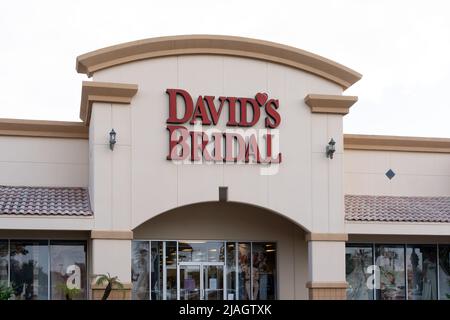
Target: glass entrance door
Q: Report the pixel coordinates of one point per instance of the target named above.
(201, 281)
(213, 282)
(190, 278)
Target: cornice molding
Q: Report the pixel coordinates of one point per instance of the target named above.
(334, 104)
(108, 92)
(94, 61)
(396, 143)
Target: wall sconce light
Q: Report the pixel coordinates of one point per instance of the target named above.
(331, 148)
(112, 139)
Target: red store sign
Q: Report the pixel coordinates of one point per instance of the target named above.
(228, 145)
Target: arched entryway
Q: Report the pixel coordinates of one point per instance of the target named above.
(219, 250)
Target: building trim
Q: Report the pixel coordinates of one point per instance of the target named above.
(79, 130)
(326, 237)
(396, 143)
(108, 92)
(397, 228)
(123, 53)
(334, 104)
(327, 285)
(112, 235)
(43, 128)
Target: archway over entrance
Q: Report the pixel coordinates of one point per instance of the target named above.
(256, 247)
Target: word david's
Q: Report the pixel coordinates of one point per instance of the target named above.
(231, 145)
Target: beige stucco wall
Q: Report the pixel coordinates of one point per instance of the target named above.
(36, 222)
(33, 161)
(417, 173)
(233, 221)
(137, 178)
(397, 228)
(44, 162)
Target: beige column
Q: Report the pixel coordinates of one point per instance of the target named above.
(326, 266)
(111, 253)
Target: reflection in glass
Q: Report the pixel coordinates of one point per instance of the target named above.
(139, 270)
(68, 269)
(190, 282)
(213, 282)
(444, 272)
(421, 264)
(244, 271)
(391, 261)
(201, 251)
(157, 269)
(29, 269)
(357, 259)
(263, 271)
(247, 276)
(231, 271)
(4, 256)
(171, 269)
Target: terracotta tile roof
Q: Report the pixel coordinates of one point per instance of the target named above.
(397, 209)
(44, 201)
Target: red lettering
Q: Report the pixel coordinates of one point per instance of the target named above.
(218, 136)
(232, 122)
(252, 150)
(256, 112)
(196, 145)
(230, 138)
(188, 105)
(269, 158)
(174, 142)
(200, 112)
(215, 114)
(272, 113)
(218, 146)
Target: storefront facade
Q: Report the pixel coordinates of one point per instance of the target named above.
(215, 167)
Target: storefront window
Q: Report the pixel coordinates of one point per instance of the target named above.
(390, 260)
(244, 259)
(263, 271)
(68, 270)
(4, 257)
(4, 262)
(231, 271)
(201, 251)
(171, 269)
(157, 269)
(29, 269)
(421, 264)
(444, 272)
(248, 269)
(139, 270)
(358, 259)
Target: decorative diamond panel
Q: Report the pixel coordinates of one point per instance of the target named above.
(390, 174)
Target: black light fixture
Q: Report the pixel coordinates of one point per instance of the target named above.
(112, 139)
(331, 148)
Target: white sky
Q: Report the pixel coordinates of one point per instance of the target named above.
(402, 48)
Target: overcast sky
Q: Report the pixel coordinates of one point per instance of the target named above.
(402, 48)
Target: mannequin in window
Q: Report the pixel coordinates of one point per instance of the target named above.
(247, 278)
(140, 274)
(429, 277)
(255, 276)
(415, 279)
